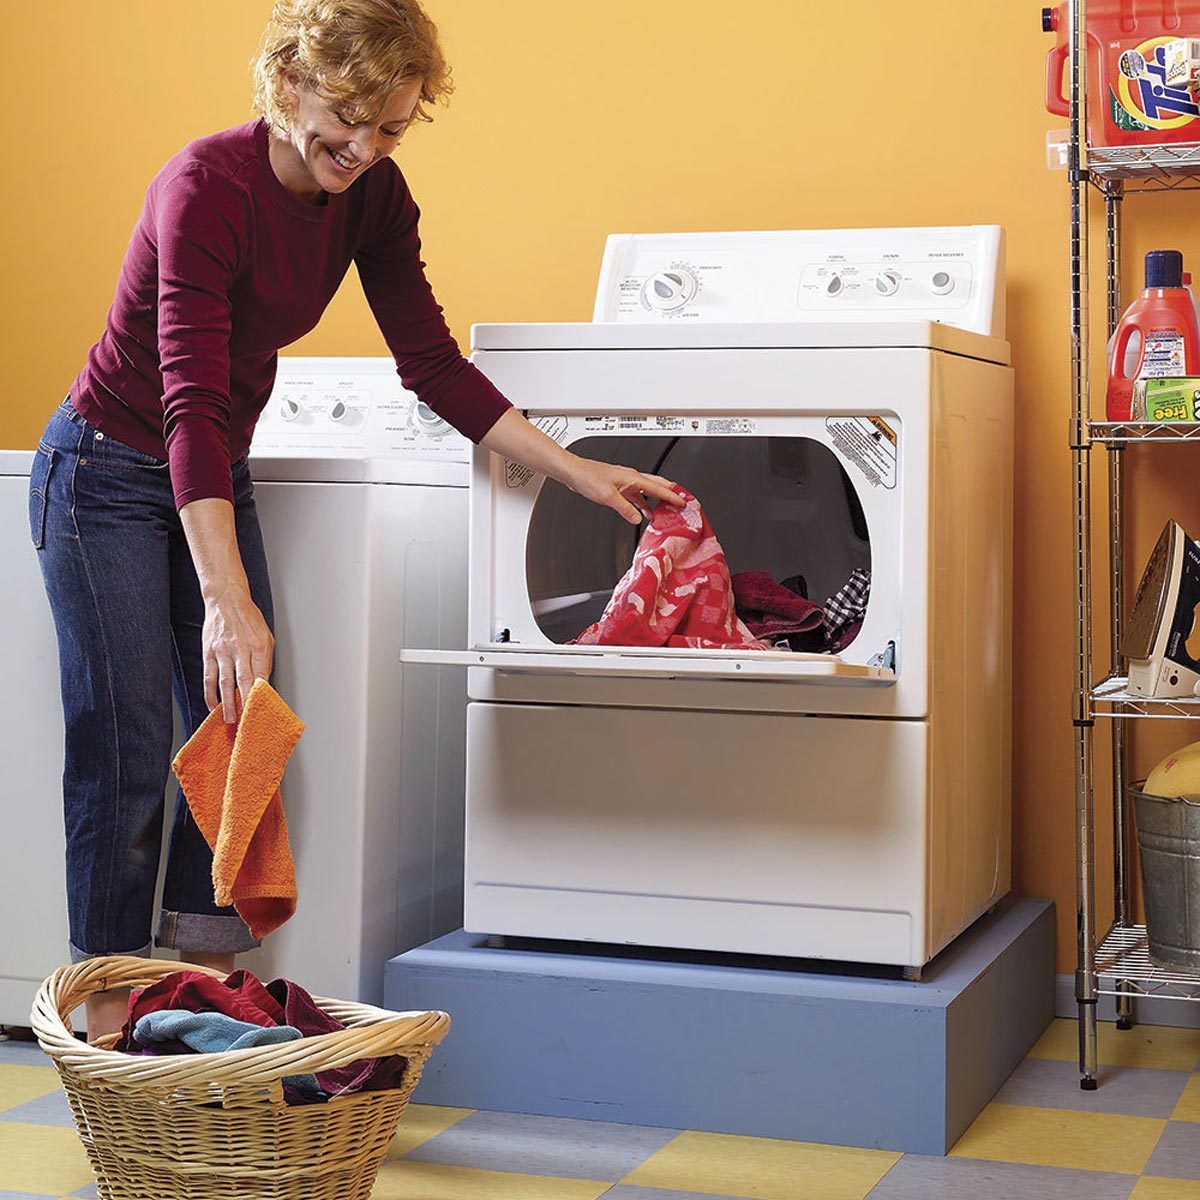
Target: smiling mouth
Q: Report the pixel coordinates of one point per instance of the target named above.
(345, 164)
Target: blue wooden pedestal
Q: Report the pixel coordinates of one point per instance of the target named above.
(832, 1053)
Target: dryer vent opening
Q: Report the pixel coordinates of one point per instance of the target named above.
(783, 505)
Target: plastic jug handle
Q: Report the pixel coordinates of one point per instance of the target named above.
(1116, 359)
(1056, 102)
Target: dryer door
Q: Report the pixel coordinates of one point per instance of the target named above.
(812, 502)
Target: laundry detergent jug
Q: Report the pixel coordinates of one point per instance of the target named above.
(1158, 337)
(1129, 101)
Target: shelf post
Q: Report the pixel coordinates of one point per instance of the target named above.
(1085, 974)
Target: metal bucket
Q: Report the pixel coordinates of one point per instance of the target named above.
(1168, 832)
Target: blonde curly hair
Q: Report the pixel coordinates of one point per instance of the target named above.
(354, 53)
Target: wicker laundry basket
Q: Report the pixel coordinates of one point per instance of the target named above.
(215, 1126)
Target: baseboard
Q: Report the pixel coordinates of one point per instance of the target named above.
(1147, 1010)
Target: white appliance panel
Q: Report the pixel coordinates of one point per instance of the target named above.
(373, 792)
(744, 393)
(750, 833)
(953, 275)
(33, 896)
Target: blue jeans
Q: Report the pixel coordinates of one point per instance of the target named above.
(128, 615)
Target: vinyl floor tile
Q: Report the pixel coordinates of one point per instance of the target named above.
(420, 1122)
(22, 1053)
(1165, 1189)
(1188, 1108)
(763, 1168)
(526, 1145)
(1142, 1046)
(20, 1084)
(916, 1177)
(41, 1159)
(52, 1109)
(1132, 1091)
(1177, 1154)
(404, 1179)
(625, 1192)
(1050, 1137)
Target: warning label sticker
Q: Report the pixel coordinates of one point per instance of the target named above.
(516, 475)
(729, 425)
(870, 443)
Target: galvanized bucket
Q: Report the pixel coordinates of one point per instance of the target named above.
(1168, 832)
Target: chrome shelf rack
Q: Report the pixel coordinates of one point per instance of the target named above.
(1117, 964)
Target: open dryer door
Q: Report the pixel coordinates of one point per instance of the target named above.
(631, 662)
(545, 562)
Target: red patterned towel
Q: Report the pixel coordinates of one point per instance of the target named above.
(677, 592)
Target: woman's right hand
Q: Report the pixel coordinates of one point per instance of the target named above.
(238, 648)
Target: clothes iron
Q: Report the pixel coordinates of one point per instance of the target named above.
(1162, 638)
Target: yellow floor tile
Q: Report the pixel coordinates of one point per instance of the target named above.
(1141, 1046)
(41, 1158)
(763, 1168)
(1188, 1108)
(406, 1180)
(1165, 1189)
(421, 1122)
(19, 1085)
(1056, 1137)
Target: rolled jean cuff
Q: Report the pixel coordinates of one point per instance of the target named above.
(203, 933)
(78, 956)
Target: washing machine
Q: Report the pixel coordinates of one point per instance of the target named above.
(839, 402)
(362, 496)
(33, 893)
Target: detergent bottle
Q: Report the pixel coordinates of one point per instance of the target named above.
(1158, 337)
(1129, 99)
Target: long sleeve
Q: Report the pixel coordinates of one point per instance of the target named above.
(427, 357)
(200, 221)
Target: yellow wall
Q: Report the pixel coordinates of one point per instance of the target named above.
(573, 120)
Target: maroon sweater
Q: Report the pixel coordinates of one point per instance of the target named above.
(225, 266)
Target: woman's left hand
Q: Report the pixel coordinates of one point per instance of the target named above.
(627, 491)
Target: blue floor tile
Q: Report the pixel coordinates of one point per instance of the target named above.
(558, 1146)
(45, 1110)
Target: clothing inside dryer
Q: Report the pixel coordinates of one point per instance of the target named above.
(782, 505)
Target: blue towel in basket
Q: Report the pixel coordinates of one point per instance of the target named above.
(213, 1032)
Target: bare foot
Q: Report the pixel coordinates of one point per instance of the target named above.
(106, 1013)
(218, 962)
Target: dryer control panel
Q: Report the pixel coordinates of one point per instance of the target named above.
(954, 275)
(353, 408)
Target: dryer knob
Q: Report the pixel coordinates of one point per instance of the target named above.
(426, 421)
(887, 283)
(290, 409)
(942, 283)
(338, 411)
(835, 285)
(666, 291)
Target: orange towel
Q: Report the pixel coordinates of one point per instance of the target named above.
(230, 775)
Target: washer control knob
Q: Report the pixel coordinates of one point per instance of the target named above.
(835, 286)
(887, 283)
(942, 283)
(338, 411)
(667, 291)
(290, 409)
(425, 420)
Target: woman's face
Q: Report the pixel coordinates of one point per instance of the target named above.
(326, 152)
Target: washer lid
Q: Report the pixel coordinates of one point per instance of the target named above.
(278, 467)
(16, 462)
(676, 335)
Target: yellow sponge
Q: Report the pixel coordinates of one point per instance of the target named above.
(1177, 775)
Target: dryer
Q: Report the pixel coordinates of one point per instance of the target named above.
(838, 401)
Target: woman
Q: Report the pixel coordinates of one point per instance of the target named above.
(141, 503)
